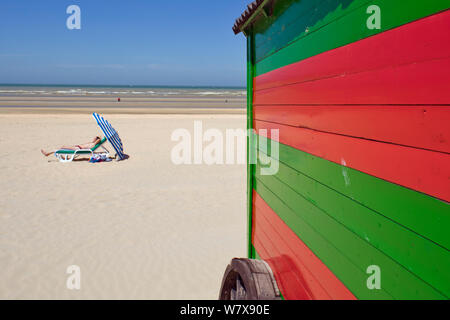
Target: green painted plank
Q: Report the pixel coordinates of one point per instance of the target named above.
(293, 19)
(284, 14)
(416, 211)
(343, 26)
(346, 255)
(422, 257)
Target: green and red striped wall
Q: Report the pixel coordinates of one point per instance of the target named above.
(364, 161)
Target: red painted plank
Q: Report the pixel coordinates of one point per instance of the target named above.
(416, 126)
(295, 281)
(418, 169)
(300, 274)
(422, 40)
(418, 83)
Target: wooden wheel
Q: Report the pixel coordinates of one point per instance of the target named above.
(248, 279)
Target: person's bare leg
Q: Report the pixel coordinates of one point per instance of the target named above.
(45, 153)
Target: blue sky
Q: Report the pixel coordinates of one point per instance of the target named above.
(130, 42)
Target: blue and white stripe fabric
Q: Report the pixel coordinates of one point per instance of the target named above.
(111, 135)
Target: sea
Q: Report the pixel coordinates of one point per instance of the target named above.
(117, 91)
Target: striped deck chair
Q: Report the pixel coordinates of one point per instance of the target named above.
(65, 155)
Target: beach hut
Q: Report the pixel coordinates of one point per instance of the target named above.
(358, 93)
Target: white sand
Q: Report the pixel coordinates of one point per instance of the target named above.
(139, 229)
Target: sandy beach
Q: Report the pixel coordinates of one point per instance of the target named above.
(142, 228)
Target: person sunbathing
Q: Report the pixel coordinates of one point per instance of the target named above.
(88, 145)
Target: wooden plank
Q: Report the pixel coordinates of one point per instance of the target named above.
(295, 211)
(427, 260)
(391, 48)
(421, 83)
(345, 26)
(416, 211)
(421, 170)
(291, 18)
(416, 126)
(299, 271)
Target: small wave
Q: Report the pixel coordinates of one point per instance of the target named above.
(208, 93)
(71, 91)
(167, 93)
(220, 93)
(14, 91)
